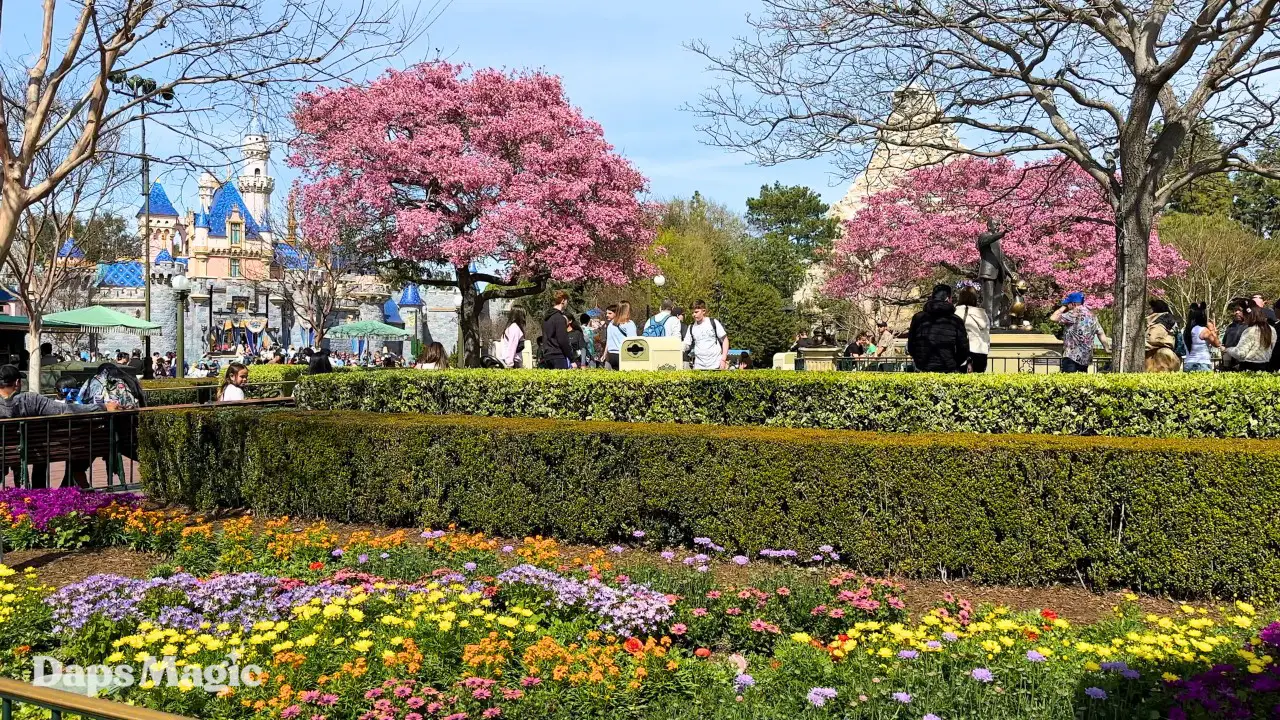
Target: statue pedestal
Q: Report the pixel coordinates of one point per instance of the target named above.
(1025, 351)
(819, 358)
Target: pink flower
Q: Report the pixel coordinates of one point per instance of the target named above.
(713, 595)
(699, 612)
(679, 629)
(435, 707)
(290, 712)
(733, 611)
(512, 693)
(307, 696)
(482, 693)
(530, 681)
(492, 712)
(784, 592)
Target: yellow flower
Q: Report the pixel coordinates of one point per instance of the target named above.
(1169, 677)
(802, 638)
(362, 646)
(1092, 666)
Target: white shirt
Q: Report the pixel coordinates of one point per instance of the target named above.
(977, 327)
(670, 324)
(231, 393)
(707, 350)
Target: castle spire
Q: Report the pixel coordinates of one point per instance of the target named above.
(291, 236)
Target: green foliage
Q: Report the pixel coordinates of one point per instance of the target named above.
(1257, 199)
(1226, 260)
(793, 213)
(1163, 405)
(753, 316)
(776, 263)
(1176, 516)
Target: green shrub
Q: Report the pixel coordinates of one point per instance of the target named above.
(1177, 516)
(1166, 405)
(265, 381)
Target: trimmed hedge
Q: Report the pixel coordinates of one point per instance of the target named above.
(1165, 405)
(1191, 518)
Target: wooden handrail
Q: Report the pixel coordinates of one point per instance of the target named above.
(61, 701)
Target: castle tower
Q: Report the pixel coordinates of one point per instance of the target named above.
(208, 184)
(165, 222)
(254, 183)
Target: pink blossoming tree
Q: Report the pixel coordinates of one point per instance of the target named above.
(1061, 233)
(435, 167)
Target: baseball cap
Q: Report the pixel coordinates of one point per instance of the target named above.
(1075, 297)
(882, 323)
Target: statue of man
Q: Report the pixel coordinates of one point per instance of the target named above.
(993, 272)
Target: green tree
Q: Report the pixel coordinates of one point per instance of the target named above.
(794, 213)
(1257, 199)
(753, 316)
(1208, 194)
(1225, 260)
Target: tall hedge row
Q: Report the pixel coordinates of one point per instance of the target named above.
(1173, 405)
(1189, 517)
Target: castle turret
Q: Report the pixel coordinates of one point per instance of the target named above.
(254, 183)
(208, 184)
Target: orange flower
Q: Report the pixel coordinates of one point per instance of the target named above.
(702, 652)
(633, 645)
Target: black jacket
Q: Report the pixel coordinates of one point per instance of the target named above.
(555, 339)
(937, 341)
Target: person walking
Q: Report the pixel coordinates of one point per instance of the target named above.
(977, 327)
(886, 339)
(937, 341)
(1257, 342)
(1161, 354)
(233, 383)
(707, 340)
(1199, 335)
(555, 350)
(1080, 327)
(513, 338)
(620, 328)
(664, 323)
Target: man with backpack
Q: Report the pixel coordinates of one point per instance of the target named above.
(664, 323)
(556, 347)
(707, 340)
(17, 404)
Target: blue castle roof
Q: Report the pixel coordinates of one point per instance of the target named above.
(164, 256)
(391, 313)
(288, 257)
(70, 250)
(119, 274)
(160, 205)
(410, 296)
(224, 199)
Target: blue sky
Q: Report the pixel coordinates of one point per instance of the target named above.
(625, 65)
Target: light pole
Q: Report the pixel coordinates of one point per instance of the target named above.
(143, 89)
(182, 288)
(658, 282)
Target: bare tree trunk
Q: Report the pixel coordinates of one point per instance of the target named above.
(33, 349)
(1133, 233)
(469, 319)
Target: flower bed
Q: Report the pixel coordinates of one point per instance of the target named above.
(461, 626)
(70, 518)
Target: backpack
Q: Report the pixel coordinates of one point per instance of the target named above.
(1179, 343)
(114, 385)
(656, 329)
(716, 327)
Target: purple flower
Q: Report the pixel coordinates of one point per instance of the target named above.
(816, 558)
(908, 654)
(337, 553)
(1035, 657)
(701, 541)
(740, 560)
(616, 549)
(1270, 634)
(950, 636)
(507, 549)
(835, 556)
(1096, 693)
(819, 696)
(982, 675)
(637, 534)
(469, 567)
(1117, 666)
(44, 505)
(933, 645)
(930, 716)
(384, 556)
(1130, 674)
(703, 568)
(742, 681)
(632, 609)
(904, 698)
(668, 555)
(362, 558)
(825, 549)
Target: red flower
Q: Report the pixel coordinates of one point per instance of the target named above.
(702, 652)
(315, 565)
(1049, 615)
(633, 645)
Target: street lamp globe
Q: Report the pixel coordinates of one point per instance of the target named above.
(659, 280)
(457, 301)
(180, 283)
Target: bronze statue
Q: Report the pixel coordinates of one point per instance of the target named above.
(993, 272)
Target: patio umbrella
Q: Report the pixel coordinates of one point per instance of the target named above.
(368, 329)
(99, 319)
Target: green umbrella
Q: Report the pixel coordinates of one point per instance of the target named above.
(368, 329)
(99, 319)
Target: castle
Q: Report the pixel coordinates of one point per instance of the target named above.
(236, 265)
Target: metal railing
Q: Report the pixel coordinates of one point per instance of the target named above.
(1042, 365)
(207, 392)
(58, 702)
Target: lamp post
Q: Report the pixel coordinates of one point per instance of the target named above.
(658, 282)
(182, 288)
(457, 307)
(136, 87)
(212, 332)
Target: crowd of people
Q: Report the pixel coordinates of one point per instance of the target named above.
(952, 334)
(594, 339)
